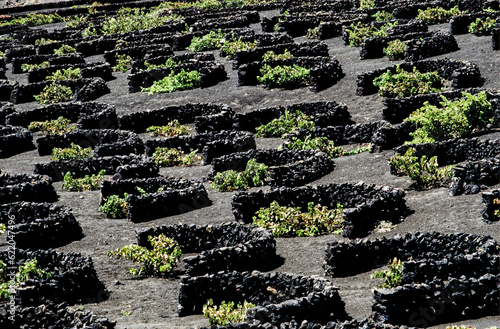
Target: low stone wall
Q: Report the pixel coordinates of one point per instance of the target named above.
(212, 144)
(6, 108)
(460, 24)
(364, 205)
(80, 168)
(70, 59)
(286, 167)
(93, 70)
(452, 275)
(472, 176)
(280, 297)
(139, 121)
(15, 140)
(224, 247)
(488, 212)
(139, 64)
(6, 88)
(22, 187)
(139, 52)
(462, 74)
(40, 225)
(137, 170)
(88, 115)
(437, 44)
(104, 142)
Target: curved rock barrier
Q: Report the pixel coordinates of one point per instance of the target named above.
(462, 74)
(80, 168)
(212, 144)
(364, 205)
(6, 108)
(491, 207)
(164, 196)
(286, 167)
(453, 276)
(87, 71)
(472, 176)
(225, 247)
(40, 225)
(15, 140)
(22, 187)
(105, 142)
(279, 297)
(87, 115)
(68, 59)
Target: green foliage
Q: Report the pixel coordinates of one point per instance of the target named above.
(128, 20)
(170, 157)
(212, 40)
(455, 119)
(74, 152)
(2, 54)
(254, 175)
(359, 32)
(323, 144)
(33, 19)
(367, 4)
(24, 272)
(437, 15)
(482, 27)
(228, 48)
(43, 41)
(30, 67)
(115, 207)
(225, 313)
(173, 128)
(392, 276)
(123, 63)
(3, 228)
(395, 50)
(271, 55)
(312, 33)
(54, 93)
(382, 16)
(87, 183)
(284, 76)
(65, 74)
(58, 126)
(290, 221)
(89, 31)
(160, 259)
(285, 124)
(64, 49)
(496, 213)
(404, 84)
(168, 64)
(423, 171)
(175, 81)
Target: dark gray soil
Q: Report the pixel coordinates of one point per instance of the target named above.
(152, 302)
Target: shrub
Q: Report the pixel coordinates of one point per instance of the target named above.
(64, 49)
(64, 74)
(128, 20)
(482, 27)
(496, 213)
(168, 64)
(285, 124)
(170, 157)
(228, 48)
(173, 128)
(43, 41)
(455, 119)
(271, 55)
(423, 171)
(54, 93)
(395, 50)
(115, 207)
(312, 33)
(175, 81)
(2, 54)
(392, 276)
(212, 40)
(30, 67)
(254, 175)
(58, 126)
(24, 272)
(123, 63)
(438, 14)
(403, 84)
(3, 228)
(226, 313)
(367, 4)
(290, 221)
(87, 183)
(359, 32)
(33, 19)
(382, 16)
(284, 76)
(160, 259)
(323, 144)
(74, 152)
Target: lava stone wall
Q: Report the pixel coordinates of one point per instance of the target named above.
(91, 70)
(460, 24)
(472, 176)
(22, 187)
(137, 170)
(364, 204)
(15, 140)
(437, 44)
(69, 59)
(225, 247)
(489, 211)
